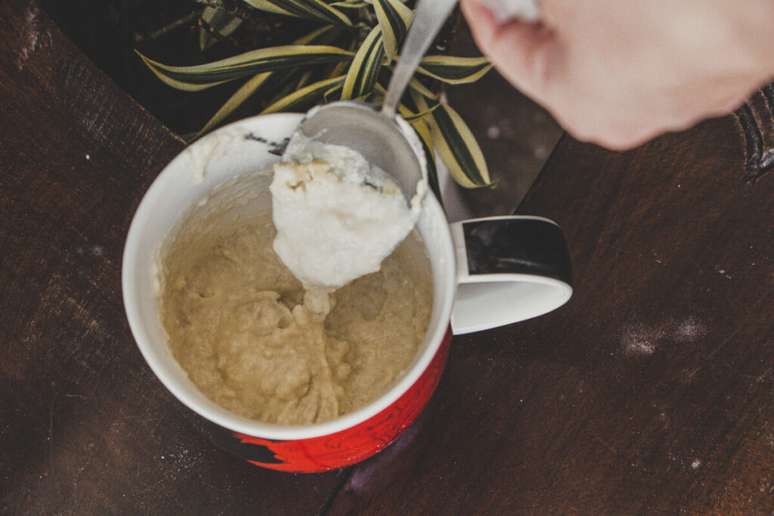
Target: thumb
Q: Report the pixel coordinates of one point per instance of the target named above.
(524, 53)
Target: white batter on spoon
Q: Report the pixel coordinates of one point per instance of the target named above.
(337, 216)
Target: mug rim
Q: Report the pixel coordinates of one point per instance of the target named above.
(223, 417)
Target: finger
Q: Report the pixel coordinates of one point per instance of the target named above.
(522, 52)
(481, 20)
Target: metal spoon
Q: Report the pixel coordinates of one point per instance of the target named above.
(383, 137)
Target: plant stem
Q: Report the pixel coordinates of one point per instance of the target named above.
(235, 8)
(187, 19)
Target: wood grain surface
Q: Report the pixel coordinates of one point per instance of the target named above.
(651, 392)
(85, 427)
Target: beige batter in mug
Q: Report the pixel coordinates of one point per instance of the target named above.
(485, 273)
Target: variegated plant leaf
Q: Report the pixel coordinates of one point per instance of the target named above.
(414, 115)
(169, 80)
(236, 100)
(422, 128)
(341, 67)
(333, 93)
(218, 21)
(417, 86)
(284, 85)
(365, 66)
(454, 70)
(456, 145)
(394, 19)
(408, 109)
(304, 97)
(421, 113)
(304, 79)
(268, 6)
(321, 34)
(349, 5)
(425, 136)
(199, 77)
(338, 69)
(258, 80)
(313, 9)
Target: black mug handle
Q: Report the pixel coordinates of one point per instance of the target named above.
(509, 269)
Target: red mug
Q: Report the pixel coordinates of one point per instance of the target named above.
(486, 273)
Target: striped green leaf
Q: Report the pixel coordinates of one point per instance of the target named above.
(458, 148)
(394, 19)
(236, 100)
(333, 94)
(304, 97)
(422, 128)
(417, 86)
(365, 67)
(313, 9)
(284, 84)
(305, 78)
(199, 77)
(349, 5)
(323, 33)
(454, 70)
(169, 80)
(258, 80)
(409, 109)
(339, 68)
(422, 113)
(269, 7)
(425, 136)
(414, 114)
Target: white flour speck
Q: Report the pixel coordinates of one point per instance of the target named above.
(696, 464)
(541, 152)
(657, 257)
(88, 157)
(639, 340)
(689, 330)
(31, 37)
(493, 132)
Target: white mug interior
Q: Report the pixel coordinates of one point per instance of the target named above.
(235, 151)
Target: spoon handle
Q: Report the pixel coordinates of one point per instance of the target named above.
(428, 20)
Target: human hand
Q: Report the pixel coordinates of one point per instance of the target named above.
(619, 72)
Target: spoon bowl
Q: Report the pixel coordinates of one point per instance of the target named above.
(388, 143)
(380, 134)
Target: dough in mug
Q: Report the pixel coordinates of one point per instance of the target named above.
(238, 324)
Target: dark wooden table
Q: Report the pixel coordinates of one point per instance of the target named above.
(651, 392)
